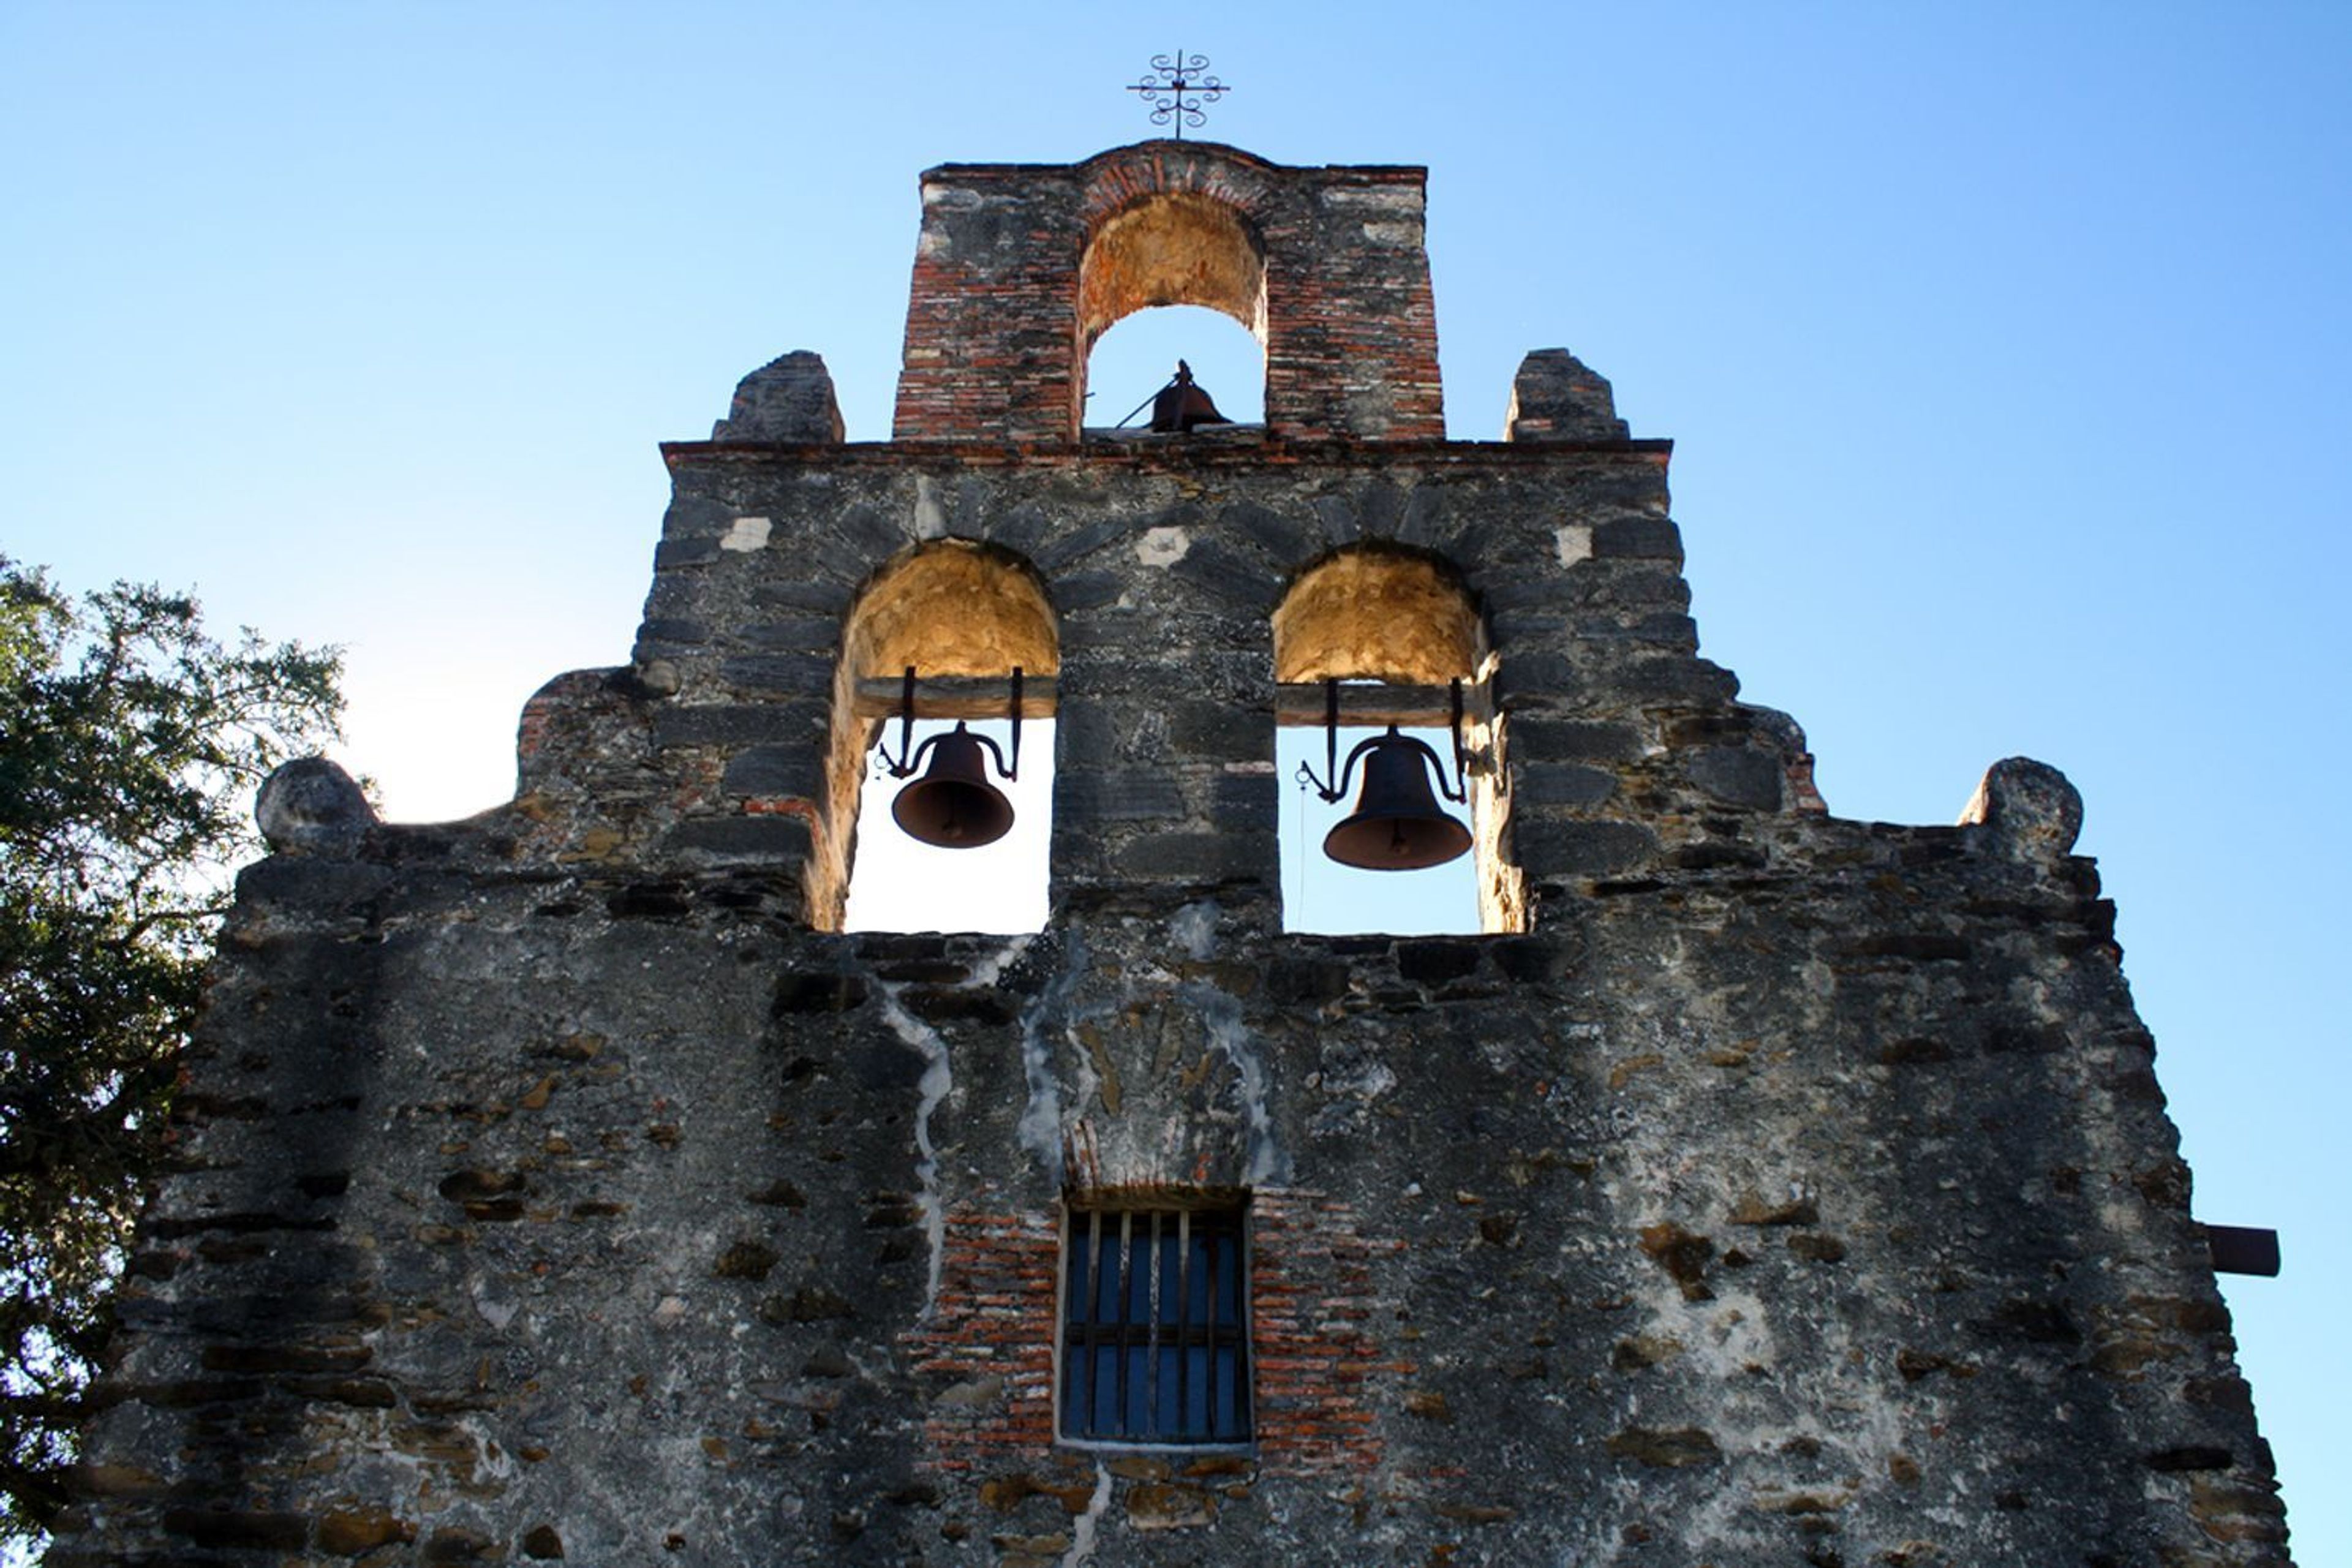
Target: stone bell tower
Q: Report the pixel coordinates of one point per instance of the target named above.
(1757, 1186)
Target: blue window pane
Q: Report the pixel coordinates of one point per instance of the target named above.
(1106, 1390)
(1135, 1421)
(1138, 1275)
(1156, 1326)
(1106, 1289)
(1168, 1413)
(1171, 1257)
(1074, 1394)
(1073, 1294)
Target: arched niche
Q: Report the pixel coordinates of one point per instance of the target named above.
(1378, 613)
(1386, 614)
(1171, 247)
(952, 607)
(957, 611)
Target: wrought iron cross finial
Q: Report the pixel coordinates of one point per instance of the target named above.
(1165, 85)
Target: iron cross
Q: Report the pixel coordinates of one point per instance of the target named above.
(1170, 77)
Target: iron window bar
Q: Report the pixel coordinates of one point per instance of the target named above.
(1155, 1342)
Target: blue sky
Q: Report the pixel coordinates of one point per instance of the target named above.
(2003, 347)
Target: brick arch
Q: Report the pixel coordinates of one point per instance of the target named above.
(1117, 178)
(1172, 247)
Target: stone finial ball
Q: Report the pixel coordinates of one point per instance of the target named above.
(2027, 808)
(310, 807)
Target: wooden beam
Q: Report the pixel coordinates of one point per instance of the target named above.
(1302, 703)
(958, 697)
(1296, 704)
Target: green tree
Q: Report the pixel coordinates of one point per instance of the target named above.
(131, 743)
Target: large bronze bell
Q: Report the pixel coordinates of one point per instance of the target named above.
(953, 805)
(1396, 825)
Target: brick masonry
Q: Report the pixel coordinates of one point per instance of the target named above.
(558, 1184)
(996, 342)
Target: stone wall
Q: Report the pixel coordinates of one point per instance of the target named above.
(1764, 1188)
(1792, 1190)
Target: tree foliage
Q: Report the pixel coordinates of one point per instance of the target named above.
(131, 743)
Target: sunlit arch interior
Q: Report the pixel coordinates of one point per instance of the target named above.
(1174, 249)
(950, 608)
(1387, 615)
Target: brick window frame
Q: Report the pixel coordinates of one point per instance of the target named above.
(1153, 1324)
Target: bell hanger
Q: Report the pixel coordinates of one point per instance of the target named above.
(1397, 824)
(953, 805)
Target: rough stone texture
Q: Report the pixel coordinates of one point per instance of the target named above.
(1792, 1190)
(2027, 808)
(1557, 397)
(790, 398)
(310, 807)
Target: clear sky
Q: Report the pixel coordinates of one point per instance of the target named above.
(2004, 346)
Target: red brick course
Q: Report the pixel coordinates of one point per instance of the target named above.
(1317, 1362)
(995, 346)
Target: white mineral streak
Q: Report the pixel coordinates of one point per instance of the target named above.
(937, 1081)
(1040, 1128)
(1572, 544)
(1194, 931)
(930, 518)
(1082, 1529)
(1220, 1016)
(984, 970)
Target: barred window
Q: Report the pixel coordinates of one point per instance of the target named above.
(1155, 1332)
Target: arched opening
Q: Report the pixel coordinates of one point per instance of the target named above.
(1133, 360)
(963, 616)
(1174, 249)
(1395, 628)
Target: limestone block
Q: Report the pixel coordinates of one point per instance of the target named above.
(310, 807)
(2026, 809)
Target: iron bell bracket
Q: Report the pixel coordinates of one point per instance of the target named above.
(910, 759)
(1457, 792)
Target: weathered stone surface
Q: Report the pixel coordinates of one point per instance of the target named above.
(310, 807)
(564, 1183)
(1556, 397)
(790, 398)
(2027, 808)
(1739, 776)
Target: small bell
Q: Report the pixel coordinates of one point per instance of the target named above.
(1181, 404)
(1396, 825)
(953, 805)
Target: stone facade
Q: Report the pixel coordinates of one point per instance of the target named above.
(1764, 1187)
